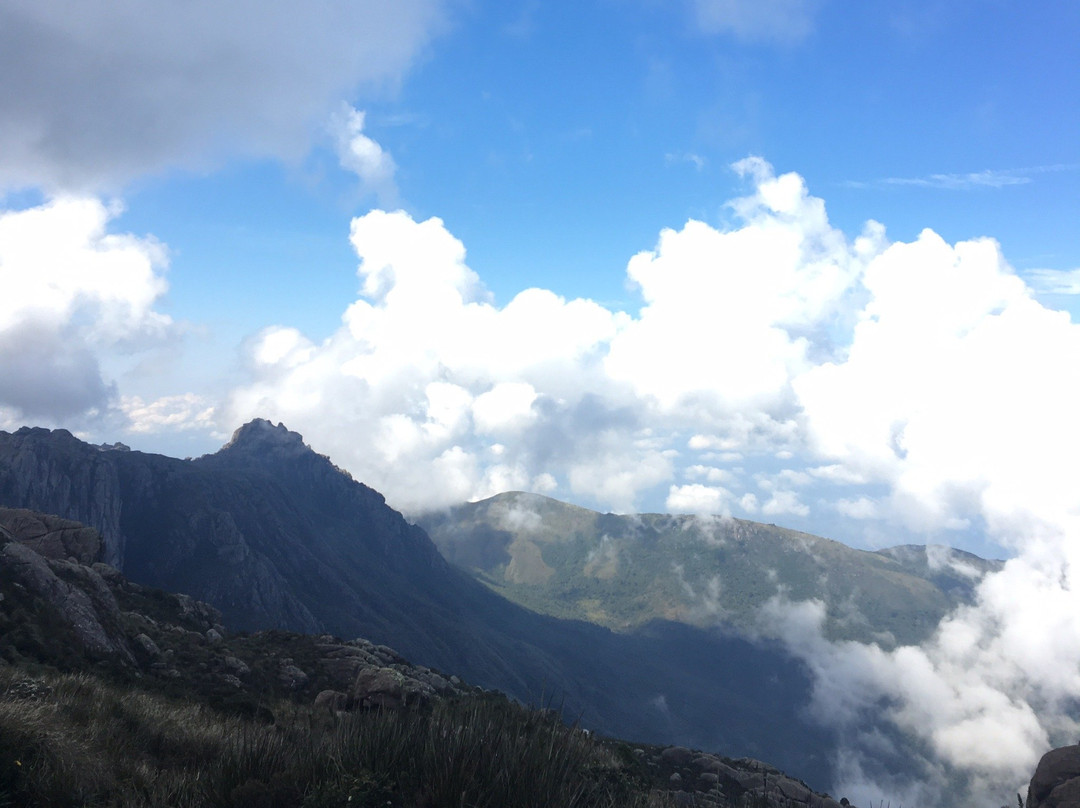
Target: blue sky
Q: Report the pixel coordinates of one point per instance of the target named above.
(555, 141)
(800, 261)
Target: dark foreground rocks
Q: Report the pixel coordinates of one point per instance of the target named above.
(695, 778)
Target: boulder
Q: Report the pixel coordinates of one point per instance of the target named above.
(386, 687)
(332, 701)
(52, 537)
(74, 605)
(677, 755)
(291, 676)
(1056, 783)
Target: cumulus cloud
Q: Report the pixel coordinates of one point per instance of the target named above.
(699, 499)
(186, 411)
(922, 379)
(71, 292)
(446, 396)
(93, 97)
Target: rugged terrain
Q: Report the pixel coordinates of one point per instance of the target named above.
(116, 693)
(275, 537)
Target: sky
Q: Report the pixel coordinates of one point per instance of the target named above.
(800, 261)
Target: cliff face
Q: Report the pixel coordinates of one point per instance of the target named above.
(55, 473)
(274, 536)
(268, 530)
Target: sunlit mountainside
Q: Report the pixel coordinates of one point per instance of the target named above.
(623, 571)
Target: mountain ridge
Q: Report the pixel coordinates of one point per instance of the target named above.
(273, 535)
(622, 571)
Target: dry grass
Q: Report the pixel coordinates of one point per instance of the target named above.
(73, 740)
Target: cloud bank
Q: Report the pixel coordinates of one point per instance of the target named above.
(923, 371)
(71, 293)
(95, 96)
(772, 364)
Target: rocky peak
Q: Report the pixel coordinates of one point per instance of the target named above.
(260, 435)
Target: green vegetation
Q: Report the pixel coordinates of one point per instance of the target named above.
(623, 572)
(75, 740)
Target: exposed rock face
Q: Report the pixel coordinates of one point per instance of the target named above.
(87, 609)
(1056, 783)
(71, 478)
(53, 537)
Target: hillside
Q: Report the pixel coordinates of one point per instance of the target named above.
(625, 571)
(275, 537)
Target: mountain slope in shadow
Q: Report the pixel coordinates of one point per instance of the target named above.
(274, 535)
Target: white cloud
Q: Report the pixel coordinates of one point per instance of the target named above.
(506, 407)
(364, 157)
(93, 97)
(777, 20)
(698, 498)
(922, 376)
(710, 474)
(754, 295)
(185, 411)
(71, 292)
(427, 377)
(783, 502)
(964, 182)
(950, 347)
(860, 508)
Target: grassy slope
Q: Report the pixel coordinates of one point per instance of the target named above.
(74, 739)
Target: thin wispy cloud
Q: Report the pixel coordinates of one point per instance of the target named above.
(677, 158)
(1054, 281)
(757, 20)
(971, 180)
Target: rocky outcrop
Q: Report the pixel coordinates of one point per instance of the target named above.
(1056, 783)
(70, 478)
(699, 779)
(64, 612)
(53, 537)
(87, 608)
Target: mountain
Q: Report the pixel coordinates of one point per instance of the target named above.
(275, 536)
(120, 694)
(624, 571)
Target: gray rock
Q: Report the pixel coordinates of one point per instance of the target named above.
(677, 755)
(148, 645)
(791, 789)
(291, 676)
(53, 537)
(386, 687)
(236, 666)
(332, 701)
(1053, 779)
(74, 605)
